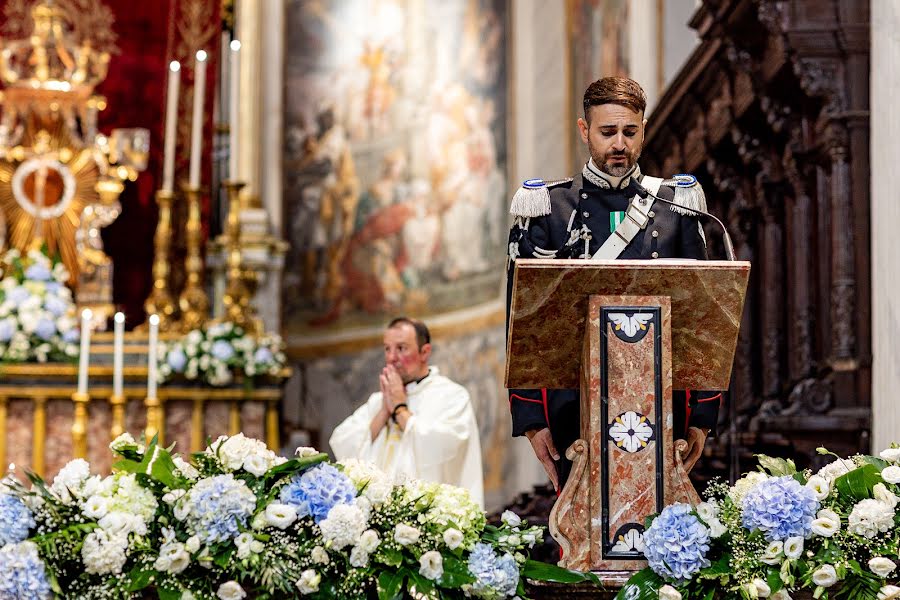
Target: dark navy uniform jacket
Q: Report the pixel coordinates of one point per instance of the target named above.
(580, 212)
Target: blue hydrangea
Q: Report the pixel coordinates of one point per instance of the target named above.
(45, 329)
(218, 508)
(176, 359)
(7, 329)
(676, 543)
(495, 576)
(317, 490)
(15, 520)
(53, 287)
(56, 305)
(24, 576)
(781, 508)
(38, 272)
(263, 356)
(222, 350)
(71, 336)
(18, 295)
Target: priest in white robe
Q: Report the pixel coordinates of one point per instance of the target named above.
(420, 423)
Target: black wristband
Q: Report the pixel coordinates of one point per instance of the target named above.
(396, 408)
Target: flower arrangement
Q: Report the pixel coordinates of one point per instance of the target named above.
(834, 534)
(37, 313)
(216, 352)
(240, 522)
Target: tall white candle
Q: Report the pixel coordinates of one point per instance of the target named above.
(233, 104)
(85, 350)
(171, 126)
(197, 122)
(118, 349)
(151, 356)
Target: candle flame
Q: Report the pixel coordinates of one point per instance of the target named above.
(235, 45)
(86, 314)
(154, 319)
(120, 317)
(174, 66)
(201, 55)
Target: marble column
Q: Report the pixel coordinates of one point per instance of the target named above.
(885, 215)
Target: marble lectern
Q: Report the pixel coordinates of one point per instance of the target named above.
(624, 332)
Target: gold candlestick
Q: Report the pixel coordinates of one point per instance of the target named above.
(194, 302)
(237, 297)
(118, 415)
(155, 419)
(160, 302)
(80, 424)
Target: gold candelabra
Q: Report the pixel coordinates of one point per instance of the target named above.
(160, 302)
(117, 403)
(155, 422)
(236, 299)
(80, 424)
(194, 302)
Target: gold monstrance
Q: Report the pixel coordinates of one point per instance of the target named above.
(60, 178)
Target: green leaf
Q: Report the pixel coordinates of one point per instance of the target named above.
(168, 594)
(456, 574)
(541, 571)
(423, 586)
(139, 579)
(643, 585)
(391, 557)
(777, 467)
(295, 465)
(389, 585)
(879, 463)
(859, 482)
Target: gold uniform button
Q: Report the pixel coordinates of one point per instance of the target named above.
(655, 255)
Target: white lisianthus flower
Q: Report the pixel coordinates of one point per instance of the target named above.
(825, 576)
(304, 451)
(762, 588)
(781, 594)
(891, 454)
(453, 538)
(281, 516)
(716, 528)
(882, 566)
(359, 558)
(820, 486)
(192, 544)
(826, 523)
(891, 474)
(511, 518)
(772, 555)
(870, 517)
(343, 526)
(173, 496)
(124, 439)
(186, 468)
(833, 470)
(431, 565)
(889, 592)
(309, 582)
(793, 546)
(95, 507)
(707, 511)
(406, 535)
(256, 465)
(320, 556)
(231, 590)
(885, 495)
(369, 541)
(667, 592)
(242, 542)
(173, 558)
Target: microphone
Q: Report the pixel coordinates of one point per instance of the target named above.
(726, 239)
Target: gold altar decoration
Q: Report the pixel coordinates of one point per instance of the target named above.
(60, 178)
(160, 301)
(193, 301)
(80, 424)
(236, 298)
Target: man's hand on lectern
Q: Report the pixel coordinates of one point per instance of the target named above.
(542, 443)
(689, 450)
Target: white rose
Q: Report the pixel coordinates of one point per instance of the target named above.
(309, 582)
(406, 535)
(781, 594)
(762, 588)
(320, 556)
(885, 495)
(368, 541)
(827, 523)
(825, 576)
(453, 538)
(889, 592)
(891, 454)
(882, 566)
(667, 592)
(891, 474)
(511, 518)
(431, 565)
(231, 590)
(281, 516)
(793, 547)
(256, 465)
(772, 555)
(820, 486)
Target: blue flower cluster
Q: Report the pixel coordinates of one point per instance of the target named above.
(781, 508)
(24, 577)
(317, 490)
(495, 576)
(219, 507)
(676, 543)
(15, 520)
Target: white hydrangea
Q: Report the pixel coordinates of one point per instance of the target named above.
(870, 517)
(344, 524)
(68, 482)
(374, 483)
(103, 553)
(834, 470)
(240, 452)
(745, 484)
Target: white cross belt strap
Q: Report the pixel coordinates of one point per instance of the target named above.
(636, 218)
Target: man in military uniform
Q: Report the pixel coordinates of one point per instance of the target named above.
(576, 218)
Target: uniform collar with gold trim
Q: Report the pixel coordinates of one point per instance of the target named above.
(606, 181)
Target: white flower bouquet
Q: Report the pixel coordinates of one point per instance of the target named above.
(780, 532)
(37, 313)
(214, 354)
(240, 522)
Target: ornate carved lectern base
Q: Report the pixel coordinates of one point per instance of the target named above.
(624, 465)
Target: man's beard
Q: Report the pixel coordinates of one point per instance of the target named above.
(615, 170)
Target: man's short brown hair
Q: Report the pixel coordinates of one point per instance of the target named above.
(423, 336)
(614, 90)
